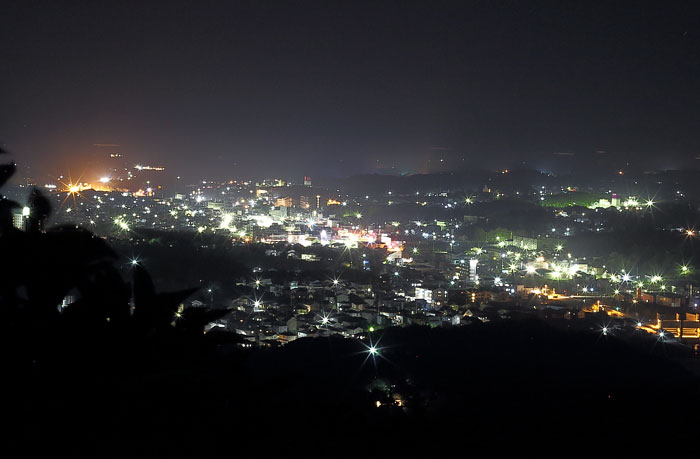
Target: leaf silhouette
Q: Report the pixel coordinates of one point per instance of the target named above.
(6, 171)
(155, 310)
(195, 319)
(39, 211)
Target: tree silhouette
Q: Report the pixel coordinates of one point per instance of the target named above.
(44, 265)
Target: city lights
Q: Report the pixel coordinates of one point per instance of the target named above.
(253, 228)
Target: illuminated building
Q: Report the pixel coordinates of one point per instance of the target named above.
(307, 181)
(525, 243)
(19, 219)
(284, 202)
(279, 212)
(473, 262)
(687, 323)
(615, 201)
(424, 294)
(304, 202)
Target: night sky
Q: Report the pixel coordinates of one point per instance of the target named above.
(261, 88)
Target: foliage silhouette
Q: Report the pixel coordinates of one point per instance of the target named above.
(73, 331)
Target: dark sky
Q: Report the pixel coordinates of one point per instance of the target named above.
(263, 88)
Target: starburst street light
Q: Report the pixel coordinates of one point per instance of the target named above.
(372, 349)
(121, 223)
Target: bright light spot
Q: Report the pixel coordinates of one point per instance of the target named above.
(530, 270)
(225, 221)
(73, 188)
(105, 179)
(373, 350)
(25, 211)
(124, 226)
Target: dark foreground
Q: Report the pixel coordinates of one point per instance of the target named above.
(481, 387)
